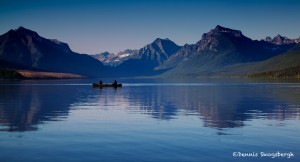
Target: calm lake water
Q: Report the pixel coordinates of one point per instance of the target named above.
(149, 121)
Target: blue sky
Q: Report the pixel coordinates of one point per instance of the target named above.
(113, 25)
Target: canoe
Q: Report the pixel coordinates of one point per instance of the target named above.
(106, 85)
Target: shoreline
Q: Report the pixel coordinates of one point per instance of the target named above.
(27, 74)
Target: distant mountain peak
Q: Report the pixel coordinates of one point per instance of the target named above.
(106, 53)
(165, 46)
(27, 33)
(278, 36)
(279, 40)
(112, 59)
(155, 53)
(23, 30)
(20, 28)
(221, 29)
(159, 40)
(220, 39)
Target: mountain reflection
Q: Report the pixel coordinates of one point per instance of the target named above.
(218, 106)
(153, 101)
(24, 107)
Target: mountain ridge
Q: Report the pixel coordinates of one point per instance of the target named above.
(26, 49)
(111, 59)
(218, 50)
(150, 56)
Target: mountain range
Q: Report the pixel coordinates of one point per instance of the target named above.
(279, 40)
(219, 48)
(114, 60)
(221, 52)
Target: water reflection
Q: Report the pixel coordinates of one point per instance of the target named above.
(219, 106)
(154, 101)
(23, 107)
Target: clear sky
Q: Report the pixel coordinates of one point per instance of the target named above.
(94, 26)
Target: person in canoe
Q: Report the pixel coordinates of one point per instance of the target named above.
(100, 82)
(115, 83)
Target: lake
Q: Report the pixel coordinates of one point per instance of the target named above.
(149, 121)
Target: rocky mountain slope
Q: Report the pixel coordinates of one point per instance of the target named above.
(144, 62)
(25, 49)
(217, 49)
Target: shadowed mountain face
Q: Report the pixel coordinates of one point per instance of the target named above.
(25, 49)
(290, 59)
(147, 58)
(217, 49)
(158, 51)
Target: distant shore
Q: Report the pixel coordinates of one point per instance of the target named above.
(48, 75)
(293, 72)
(27, 74)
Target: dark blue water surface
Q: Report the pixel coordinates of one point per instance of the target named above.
(150, 120)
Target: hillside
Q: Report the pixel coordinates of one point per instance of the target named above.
(293, 72)
(10, 74)
(218, 49)
(23, 49)
(284, 62)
